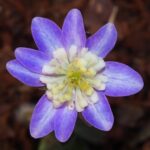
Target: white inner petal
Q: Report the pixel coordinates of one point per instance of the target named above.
(72, 52)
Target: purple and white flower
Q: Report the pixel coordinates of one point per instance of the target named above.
(76, 77)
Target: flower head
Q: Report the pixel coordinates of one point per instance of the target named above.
(75, 75)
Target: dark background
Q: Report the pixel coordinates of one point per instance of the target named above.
(131, 130)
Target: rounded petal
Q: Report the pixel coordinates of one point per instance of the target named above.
(22, 74)
(73, 30)
(47, 34)
(41, 123)
(31, 59)
(122, 80)
(103, 40)
(64, 123)
(99, 114)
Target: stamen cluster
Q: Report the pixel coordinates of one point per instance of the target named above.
(72, 77)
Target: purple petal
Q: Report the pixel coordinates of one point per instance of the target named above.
(122, 80)
(103, 40)
(42, 118)
(99, 115)
(73, 30)
(31, 59)
(47, 34)
(64, 123)
(22, 74)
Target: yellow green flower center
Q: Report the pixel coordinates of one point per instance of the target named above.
(76, 76)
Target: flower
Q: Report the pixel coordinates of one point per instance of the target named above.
(75, 74)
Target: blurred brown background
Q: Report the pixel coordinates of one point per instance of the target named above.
(131, 130)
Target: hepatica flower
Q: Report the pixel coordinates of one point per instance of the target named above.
(76, 77)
